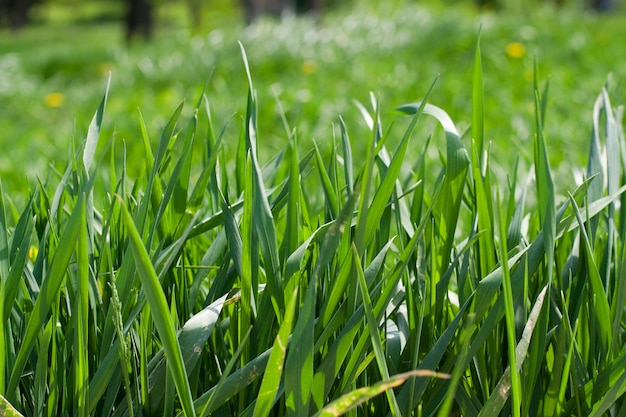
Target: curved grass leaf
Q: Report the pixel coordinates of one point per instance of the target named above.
(359, 396)
(160, 311)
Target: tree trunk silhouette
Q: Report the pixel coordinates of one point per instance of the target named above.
(139, 19)
(15, 12)
(255, 8)
(603, 5)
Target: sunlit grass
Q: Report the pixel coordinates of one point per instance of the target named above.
(224, 277)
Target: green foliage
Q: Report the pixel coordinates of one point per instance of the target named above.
(317, 283)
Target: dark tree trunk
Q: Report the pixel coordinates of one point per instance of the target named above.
(308, 6)
(603, 5)
(139, 19)
(15, 12)
(255, 8)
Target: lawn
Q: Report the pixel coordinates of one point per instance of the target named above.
(453, 244)
(49, 89)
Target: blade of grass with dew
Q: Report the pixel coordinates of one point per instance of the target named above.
(162, 320)
(372, 324)
(271, 380)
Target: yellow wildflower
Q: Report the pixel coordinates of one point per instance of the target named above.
(54, 100)
(33, 252)
(308, 67)
(515, 50)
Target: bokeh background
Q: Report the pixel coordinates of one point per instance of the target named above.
(310, 61)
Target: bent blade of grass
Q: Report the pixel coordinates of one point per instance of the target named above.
(49, 290)
(160, 311)
(271, 380)
(191, 338)
(359, 396)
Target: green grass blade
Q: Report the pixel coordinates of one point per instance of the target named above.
(81, 361)
(271, 380)
(501, 392)
(349, 401)
(374, 333)
(347, 157)
(160, 311)
(544, 183)
(6, 409)
(191, 338)
(597, 295)
(299, 364)
(49, 291)
(93, 133)
(478, 114)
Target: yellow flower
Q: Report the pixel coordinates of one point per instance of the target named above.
(33, 252)
(515, 50)
(308, 67)
(54, 100)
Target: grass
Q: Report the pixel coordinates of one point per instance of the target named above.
(390, 50)
(317, 282)
(392, 261)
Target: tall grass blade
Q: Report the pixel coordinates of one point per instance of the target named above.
(501, 392)
(544, 183)
(271, 380)
(93, 133)
(160, 311)
(49, 291)
(374, 334)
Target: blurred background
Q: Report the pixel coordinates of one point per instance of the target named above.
(311, 61)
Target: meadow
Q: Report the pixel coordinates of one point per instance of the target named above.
(397, 210)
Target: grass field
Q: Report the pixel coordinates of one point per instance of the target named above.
(316, 72)
(453, 244)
